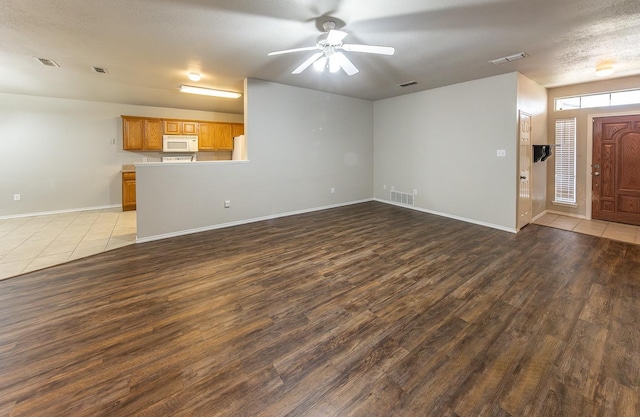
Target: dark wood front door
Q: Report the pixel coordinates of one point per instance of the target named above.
(616, 169)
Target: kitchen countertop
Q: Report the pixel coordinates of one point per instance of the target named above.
(128, 168)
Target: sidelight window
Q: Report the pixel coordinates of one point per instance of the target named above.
(565, 151)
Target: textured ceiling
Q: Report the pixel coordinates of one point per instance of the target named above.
(149, 46)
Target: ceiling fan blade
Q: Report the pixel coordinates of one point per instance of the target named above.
(313, 58)
(369, 49)
(345, 64)
(335, 37)
(286, 51)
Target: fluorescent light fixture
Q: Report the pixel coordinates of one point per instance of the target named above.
(208, 91)
(194, 76)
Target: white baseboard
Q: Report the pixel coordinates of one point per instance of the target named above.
(246, 221)
(48, 213)
(451, 216)
(539, 215)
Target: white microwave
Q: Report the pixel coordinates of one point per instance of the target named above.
(179, 143)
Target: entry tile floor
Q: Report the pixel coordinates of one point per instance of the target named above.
(609, 230)
(31, 243)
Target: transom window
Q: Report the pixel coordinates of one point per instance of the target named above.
(614, 98)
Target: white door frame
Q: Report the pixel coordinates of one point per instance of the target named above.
(589, 178)
(519, 226)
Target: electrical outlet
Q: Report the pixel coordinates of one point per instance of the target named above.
(227, 203)
(393, 188)
(16, 197)
(384, 187)
(144, 160)
(501, 153)
(415, 191)
(112, 141)
(333, 190)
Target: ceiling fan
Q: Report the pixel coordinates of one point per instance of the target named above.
(330, 54)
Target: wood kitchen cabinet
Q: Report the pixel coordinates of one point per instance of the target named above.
(215, 136)
(180, 127)
(141, 133)
(145, 133)
(128, 191)
(238, 129)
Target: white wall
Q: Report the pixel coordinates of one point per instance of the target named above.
(300, 144)
(443, 143)
(56, 153)
(532, 99)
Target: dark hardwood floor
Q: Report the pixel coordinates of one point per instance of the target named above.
(366, 310)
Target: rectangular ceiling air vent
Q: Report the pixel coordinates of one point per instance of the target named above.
(509, 58)
(100, 70)
(408, 83)
(48, 62)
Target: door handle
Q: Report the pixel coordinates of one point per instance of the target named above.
(596, 173)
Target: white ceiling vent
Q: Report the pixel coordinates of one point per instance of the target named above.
(100, 70)
(509, 58)
(48, 62)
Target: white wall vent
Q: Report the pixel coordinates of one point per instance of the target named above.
(402, 198)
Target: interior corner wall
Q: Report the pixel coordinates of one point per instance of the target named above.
(300, 144)
(583, 140)
(532, 99)
(56, 153)
(443, 143)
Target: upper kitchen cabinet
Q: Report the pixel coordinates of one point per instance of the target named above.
(215, 136)
(238, 129)
(141, 133)
(180, 127)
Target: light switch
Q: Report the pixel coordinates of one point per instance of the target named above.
(501, 153)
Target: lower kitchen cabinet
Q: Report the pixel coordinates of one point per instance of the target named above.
(128, 191)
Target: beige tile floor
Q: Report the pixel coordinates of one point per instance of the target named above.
(31, 243)
(614, 231)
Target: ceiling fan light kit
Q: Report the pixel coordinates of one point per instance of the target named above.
(330, 56)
